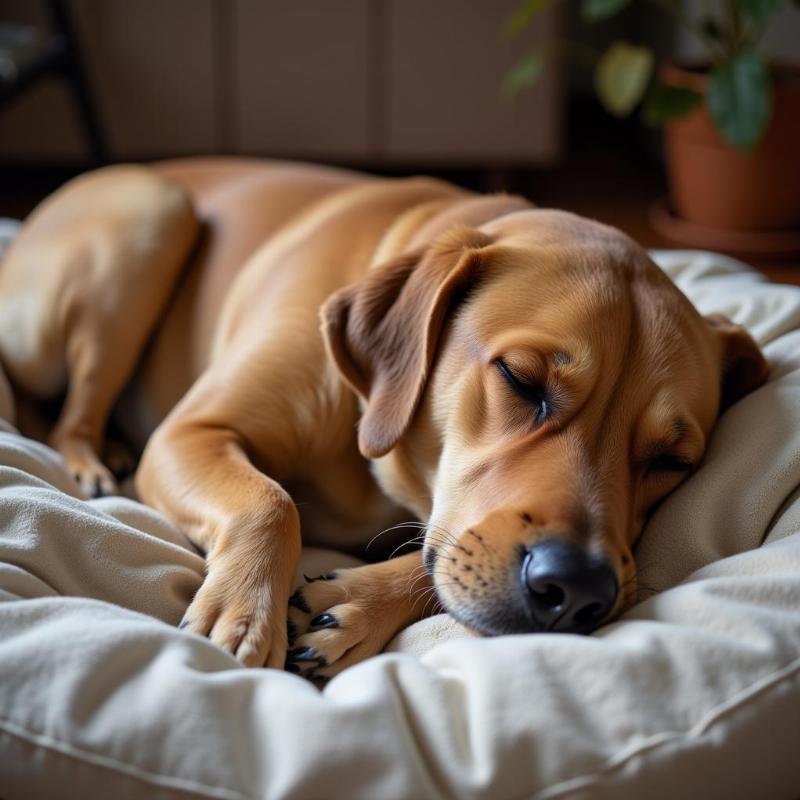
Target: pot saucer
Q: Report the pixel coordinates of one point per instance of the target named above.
(759, 244)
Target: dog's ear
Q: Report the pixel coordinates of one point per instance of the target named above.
(744, 367)
(382, 331)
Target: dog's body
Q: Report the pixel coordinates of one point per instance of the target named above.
(250, 414)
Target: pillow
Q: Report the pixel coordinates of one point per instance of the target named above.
(695, 692)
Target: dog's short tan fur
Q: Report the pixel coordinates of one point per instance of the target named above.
(210, 275)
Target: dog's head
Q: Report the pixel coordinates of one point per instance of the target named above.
(534, 387)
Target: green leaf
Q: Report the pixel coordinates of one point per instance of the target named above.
(760, 10)
(664, 103)
(621, 77)
(593, 10)
(524, 15)
(740, 99)
(524, 74)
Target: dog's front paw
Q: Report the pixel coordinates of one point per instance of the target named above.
(344, 617)
(243, 613)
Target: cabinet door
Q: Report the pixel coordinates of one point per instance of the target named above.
(151, 68)
(446, 62)
(151, 64)
(301, 78)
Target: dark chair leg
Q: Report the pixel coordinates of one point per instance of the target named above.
(74, 74)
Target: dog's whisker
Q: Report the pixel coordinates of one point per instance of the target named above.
(636, 589)
(418, 570)
(415, 579)
(423, 594)
(437, 536)
(436, 600)
(432, 532)
(645, 592)
(398, 526)
(420, 593)
(410, 543)
(431, 526)
(419, 539)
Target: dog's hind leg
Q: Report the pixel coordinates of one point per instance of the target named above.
(81, 290)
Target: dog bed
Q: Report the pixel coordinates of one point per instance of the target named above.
(694, 692)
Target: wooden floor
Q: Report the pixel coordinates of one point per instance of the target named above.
(611, 183)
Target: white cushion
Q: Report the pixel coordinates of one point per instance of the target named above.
(696, 692)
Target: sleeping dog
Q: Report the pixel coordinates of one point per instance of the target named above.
(525, 382)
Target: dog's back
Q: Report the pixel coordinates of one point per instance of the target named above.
(133, 265)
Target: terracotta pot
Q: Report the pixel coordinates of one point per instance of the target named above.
(715, 185)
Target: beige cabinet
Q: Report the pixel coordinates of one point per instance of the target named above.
(355, 81)
(446, 62)
(300, 78)
(153, 67)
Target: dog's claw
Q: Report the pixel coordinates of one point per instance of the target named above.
(328, 576)
(310, 659)
(306, 654)
(298, 601)
(184, 623)
(323, 621)
(95, 485)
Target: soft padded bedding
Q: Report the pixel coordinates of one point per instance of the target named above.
(695, 692)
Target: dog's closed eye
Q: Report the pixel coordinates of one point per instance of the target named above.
(532, 392)
(668, 463)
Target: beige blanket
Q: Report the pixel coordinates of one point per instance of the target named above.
(695, 693)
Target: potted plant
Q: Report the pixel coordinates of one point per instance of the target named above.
(732, 119)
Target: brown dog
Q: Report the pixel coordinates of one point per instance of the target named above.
(528, 383)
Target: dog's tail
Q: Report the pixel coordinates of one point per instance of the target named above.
(9, 230)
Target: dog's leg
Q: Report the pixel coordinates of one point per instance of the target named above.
(97, 373)
(351, 614)
(201, 477)
(81, 290)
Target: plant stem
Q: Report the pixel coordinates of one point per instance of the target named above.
(675, 9)
(736, 27)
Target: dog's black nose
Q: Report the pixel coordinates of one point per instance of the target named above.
(567, 589)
